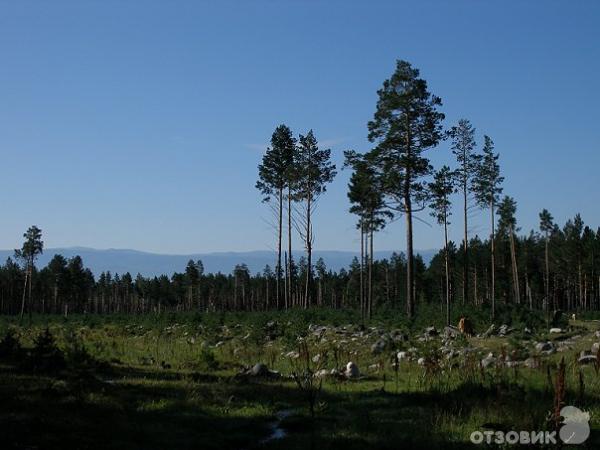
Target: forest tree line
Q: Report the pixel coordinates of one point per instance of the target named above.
(570, 280)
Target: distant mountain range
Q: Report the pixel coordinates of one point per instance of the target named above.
(154, 264)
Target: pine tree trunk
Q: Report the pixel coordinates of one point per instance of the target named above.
(447, 269)
(370, 311)
(24, 293)
(410, 303)
(515, 272)
(493, 258)
(29, 305)
(289, 271)
(278, 265)
(547, 264)
(307, 298)
(362, 262)
(465, 246)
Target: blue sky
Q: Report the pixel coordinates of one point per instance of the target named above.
(140, 124)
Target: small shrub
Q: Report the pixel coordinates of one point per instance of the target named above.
(207, 360)
(10, 347)
(77, 356)
(45, 356)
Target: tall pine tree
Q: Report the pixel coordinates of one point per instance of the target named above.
(273, 175)
(406, 123)
(487, 188)
(463, 146)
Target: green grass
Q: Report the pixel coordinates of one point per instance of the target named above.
(172, 382)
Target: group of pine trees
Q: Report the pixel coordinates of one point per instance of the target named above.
(551, 268)
(292, 176)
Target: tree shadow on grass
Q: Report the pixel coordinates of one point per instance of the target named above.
(145, 408)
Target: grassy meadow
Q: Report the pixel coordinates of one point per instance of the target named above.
(186, 381)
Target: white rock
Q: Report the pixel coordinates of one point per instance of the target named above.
(556, 330)
(421, 361)
(544, 346)
(488, 361)
(352, 371)
(402, 355)
(322, 373)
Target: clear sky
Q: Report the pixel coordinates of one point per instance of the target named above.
(139, 125)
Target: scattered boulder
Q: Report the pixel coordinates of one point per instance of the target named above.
(378, 347)
(398, 336)
(488, 361)
(587, 359)
(431, 331)
(323, 373)
(556, 330)
(259, 370)
(352, 371)
(402, 355)
(451, 353)
(421, 361)
(490, 331)
(451, 332)
(504, 330)
(595, 347)
(544, 346)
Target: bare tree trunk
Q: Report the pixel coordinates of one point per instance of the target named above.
(410, 302)
(493, 257)
(278, 267)
(307, 299)
(475, 285)
(547, 264)
(465, 246)
(370, 310)
(515, 272)
(447, 269)
(30, 306)
(285, 282)
(290, 258)
(24, 293)
(362, 262)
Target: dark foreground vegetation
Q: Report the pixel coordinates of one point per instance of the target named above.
(280, 380)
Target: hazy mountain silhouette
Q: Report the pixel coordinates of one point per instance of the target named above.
(151, 264)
